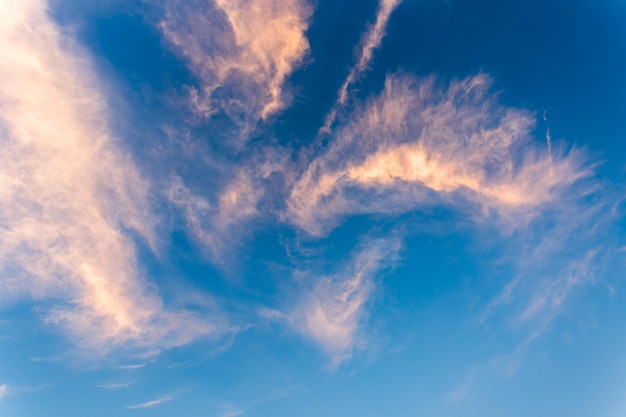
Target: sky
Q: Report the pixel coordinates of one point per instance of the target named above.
(398, 208)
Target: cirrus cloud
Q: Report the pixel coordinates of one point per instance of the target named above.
(417, 144)
(72, 202)
(242, 52)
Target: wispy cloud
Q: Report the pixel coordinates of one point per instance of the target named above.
(370, 42)
(232, 411)
(114, 387)
(242, 52)
(332, 312)
(220, 217)
(559, 255)
(153, 403)
(132, 367)
(72, 200)
(418, 144)
(462, 391)
(5, 389)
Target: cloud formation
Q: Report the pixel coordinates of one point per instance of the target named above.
(220, 216)
(114, 387)
(242, 52)
(153, 403)
(370, 42)
(72, 201)
(560, 254)
(417, 144)
(332, 312)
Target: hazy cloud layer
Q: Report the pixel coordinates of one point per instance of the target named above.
(72, 202)
(560, 254)
(241, 50)
(419, 143)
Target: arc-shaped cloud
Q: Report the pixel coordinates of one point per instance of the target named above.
(417, 144)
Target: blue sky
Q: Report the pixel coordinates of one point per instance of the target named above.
(226, 208)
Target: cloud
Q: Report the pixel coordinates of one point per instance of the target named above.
(462, 392)
(331, 313)
(220, 216)
(214, 224)
(560, 254)
(242, 52)
(13, 390)
(418, 144)
(114, 387)
(72, 202)
(232, 411)
(153, 403)
(369, 43)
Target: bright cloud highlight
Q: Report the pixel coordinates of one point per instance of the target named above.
(242, 52)
(72, 201)
(417, 144)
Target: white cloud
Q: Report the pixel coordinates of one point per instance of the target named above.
(218, 222)
(132, 367)
(71, 200)
(418, 144)
(232, 411)
(222, 211)
(242, 51)
(153, 403)
(332, 312)
(114, 387)
(370, 42)
(3, 390)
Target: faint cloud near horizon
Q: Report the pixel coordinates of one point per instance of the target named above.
(152, 403)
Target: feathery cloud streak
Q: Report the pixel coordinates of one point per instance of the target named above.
(331, 314)
(70, 199)
(241, 50)
(218, 217)
(153, 403)
(417, 144)
(370, 42)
